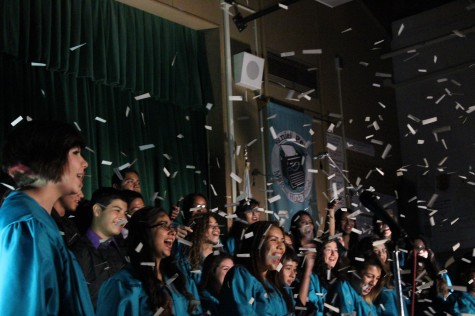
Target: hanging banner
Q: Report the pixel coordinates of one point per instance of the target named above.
(290, 164)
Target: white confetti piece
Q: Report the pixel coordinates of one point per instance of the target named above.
(139, 247)
(454, 221)
(35, 64)
(7, 186)
(147, 264)
(420, 142)
(17, 120)
(432, 222)
(272, 131)
(76, 47)
(248, 235)
(287, 54)
(251, 142)
(235, 98)
(273, 199)
(432, 200)
(159, 311)
(214, 191)
(401, 28)
(167, 173)
(251, 300)
(209, 106)
(456, 246)
(100, 119)
(279, 267)
(185, 242)
(386, 151)
(347, 30)
(429, 120)
(243, 255)
(145, 147)
(312, 170)
(107, 163)
(331, 147)
(332, 308)
(235, 177)
(312, 51)
(413, 132)
(359, 232)
(190, 167)
(363, 63)
(142, 96)
(209, 128)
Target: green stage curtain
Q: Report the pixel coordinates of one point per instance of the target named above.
(127, 53)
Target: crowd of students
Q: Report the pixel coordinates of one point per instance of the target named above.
(111, 254)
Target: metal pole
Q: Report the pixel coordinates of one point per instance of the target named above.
(397, 274)
(229, 103)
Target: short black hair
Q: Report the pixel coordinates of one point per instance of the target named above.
(42, 147)
(105, 195)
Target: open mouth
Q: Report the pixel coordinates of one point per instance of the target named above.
(366, 289)
(169, 242)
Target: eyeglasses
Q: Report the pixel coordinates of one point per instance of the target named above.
(164, 225)
(213, 226)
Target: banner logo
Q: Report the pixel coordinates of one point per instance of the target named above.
(290, 161)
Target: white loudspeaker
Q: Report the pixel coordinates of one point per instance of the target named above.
(248, 70)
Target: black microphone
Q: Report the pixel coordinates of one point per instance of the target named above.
(370, 201)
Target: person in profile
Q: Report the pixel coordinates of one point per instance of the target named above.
(39, 275)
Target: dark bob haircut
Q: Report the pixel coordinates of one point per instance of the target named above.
(39, 150)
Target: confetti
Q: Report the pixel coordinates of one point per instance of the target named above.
(167, 173)
(209, 128)
(209, 106)
(386, 151)
(142, 96)
(17, 120)
(145, 147)
(332, 308)
(312, 51)
(99, 119)
(185, 242)
(456, 246)
(235, 98)
(76, 47)
(243, 255)
(107, 163)
(401, 28)
(287, 54)
(272, 131)
(139, 247)
(235, 177)
(273, 199)
(35, 64)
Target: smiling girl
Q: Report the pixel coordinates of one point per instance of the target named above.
(152, 282)
(246, 290)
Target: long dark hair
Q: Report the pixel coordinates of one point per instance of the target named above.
(198, 238)
(140, 234)
(255, 248)
(320, 267)
(208, 277)
(187, 204)
(294, 228)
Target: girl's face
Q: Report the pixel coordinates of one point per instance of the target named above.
(222, 269)
(289, 272)
(212, 232)
(275, 247)
(421, 248)
(330, 254)
(305, 226)
(163, 234)
(199, 206)
(73, 173)
(135, 205)
(382, 252)
(346, 224)
(369, 279)
(252, 216)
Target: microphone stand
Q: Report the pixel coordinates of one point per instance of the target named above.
(397, 277)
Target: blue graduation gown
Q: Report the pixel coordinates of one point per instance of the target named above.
(317, 294)
(243, 294)
(209, 303)
(123, 294)
(388, 299)
(350, 301)
(39, 275)
(463, 303)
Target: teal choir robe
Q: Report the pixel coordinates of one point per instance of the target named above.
(39, 275)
